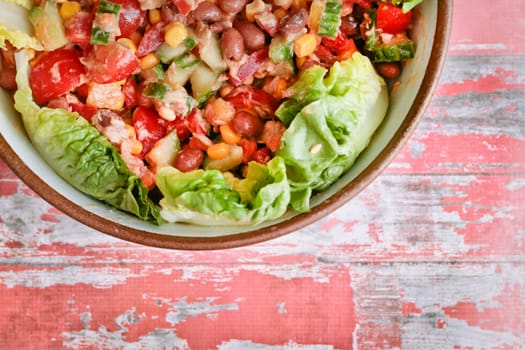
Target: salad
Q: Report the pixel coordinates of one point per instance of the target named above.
(219, 112)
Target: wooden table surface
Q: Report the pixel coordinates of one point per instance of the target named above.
(430, 256)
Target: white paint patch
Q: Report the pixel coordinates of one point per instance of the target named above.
(516, 184)
(281, 308)
(164, 339)
(181, 310)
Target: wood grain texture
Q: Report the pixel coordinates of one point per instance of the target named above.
(430, 256)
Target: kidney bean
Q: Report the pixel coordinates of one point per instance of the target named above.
(207, 12)
(232, 44)
(188, 159)
(231, 6)
(294, 23)
(247, 124)
(389, 70)
(253, 36)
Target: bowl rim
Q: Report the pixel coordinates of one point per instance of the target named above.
(174, 242)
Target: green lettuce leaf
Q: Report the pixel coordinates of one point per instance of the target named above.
(337, 117)
(407, 4)
(210, 197)
(15, 27)
(79, 154)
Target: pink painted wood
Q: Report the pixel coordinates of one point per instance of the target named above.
(430, 256)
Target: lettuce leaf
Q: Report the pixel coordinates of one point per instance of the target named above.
(210, 197)
(79, 154)
(15, 27)
(337, 116)
(407, 4)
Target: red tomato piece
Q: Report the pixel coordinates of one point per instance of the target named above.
(78, 28)
(131, 16)
(152, 39)
(55, 74)
(149, 127)
(341, 44)
(262, 155)
(196, 123)
(248, 148)
(254, 99)
(130, 90)
(110, 63)
(184, 6)
(391, 19)
(180, 125)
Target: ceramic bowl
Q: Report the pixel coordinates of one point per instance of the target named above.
(408, 102)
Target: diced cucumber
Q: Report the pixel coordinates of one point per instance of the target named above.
(186, 60)
(232, 160)
(280, 50)
(180, 70)
(156, 90)
(394, 52)
(108, 7)
(164, 152)
(48, 26)
(99, 36)
(204, 83)
(330, 19)
(167, 54)
(210, 50)
(190, 43)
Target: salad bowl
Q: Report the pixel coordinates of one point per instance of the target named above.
(408, 100)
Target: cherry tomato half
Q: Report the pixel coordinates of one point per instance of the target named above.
(149, 127)
(55, 74)
(110, 63)
(391, 19)
(131, 16)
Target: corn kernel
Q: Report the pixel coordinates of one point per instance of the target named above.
(136, 147)
(175, 33)
(149, 61)
(131, 131)
(280, 13)
(128, 43)
(218, 150)
(68, 9)
(229, 135)
(154, 16)
(305, 45)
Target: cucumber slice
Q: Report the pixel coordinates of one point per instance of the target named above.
(167, 54)
(156, 90)
(280, 50)
(330, 19)
(393, 53)
(204, 83)
(210, 50)
(180, 70)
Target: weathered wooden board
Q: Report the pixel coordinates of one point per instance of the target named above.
(430, 256)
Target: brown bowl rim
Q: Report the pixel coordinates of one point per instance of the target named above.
(372, 171)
